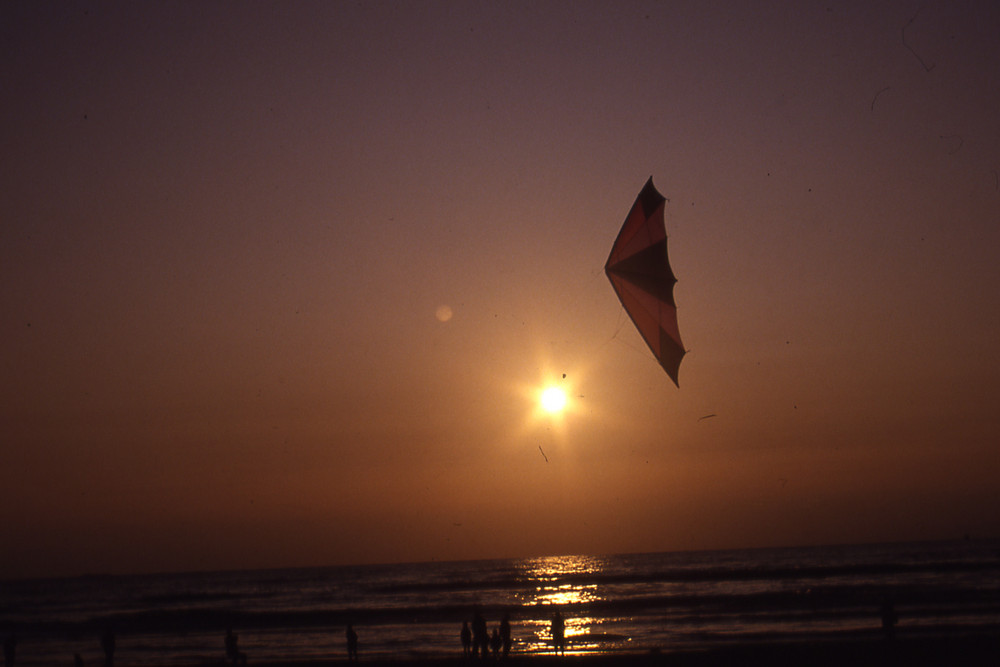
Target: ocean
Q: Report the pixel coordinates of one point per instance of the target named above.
(634, 603)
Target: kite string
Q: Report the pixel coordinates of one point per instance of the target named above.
(622, 315)
(623, 320)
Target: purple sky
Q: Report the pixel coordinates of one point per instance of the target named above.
(228, 229)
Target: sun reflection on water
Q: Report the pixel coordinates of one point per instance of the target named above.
(561, 584)
(550, 576)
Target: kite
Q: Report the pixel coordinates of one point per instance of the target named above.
(640, 272)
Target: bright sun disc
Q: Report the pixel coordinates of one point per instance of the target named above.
(553, 399)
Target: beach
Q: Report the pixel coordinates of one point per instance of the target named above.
(830, 605)
(982, 649)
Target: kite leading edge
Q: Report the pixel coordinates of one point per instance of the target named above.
(640, 272)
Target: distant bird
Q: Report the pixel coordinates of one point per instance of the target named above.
(543, 453)
(706, 417)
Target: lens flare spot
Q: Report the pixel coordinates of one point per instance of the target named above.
(443, 313)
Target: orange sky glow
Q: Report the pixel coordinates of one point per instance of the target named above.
(281, 282)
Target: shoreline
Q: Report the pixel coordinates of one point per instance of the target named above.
(965, 650)
(979, 649)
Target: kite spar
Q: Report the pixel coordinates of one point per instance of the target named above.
(640, 272)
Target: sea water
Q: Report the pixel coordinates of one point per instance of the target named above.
(634, 603)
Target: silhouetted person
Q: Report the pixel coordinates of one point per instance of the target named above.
(558, 634)
(233, 653)
(495, 643)
(466, 639)
(352, 644)
(108, 646)
(480, 636)
(505, 634)
(889, 618)
(77, 660)
(9, 650)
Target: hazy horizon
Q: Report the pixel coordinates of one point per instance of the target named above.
(529, 557)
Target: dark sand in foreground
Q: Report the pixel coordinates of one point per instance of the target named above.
(963, 651)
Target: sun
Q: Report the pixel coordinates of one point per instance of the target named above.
(553, 400)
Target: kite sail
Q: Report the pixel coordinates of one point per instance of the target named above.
(639, 271)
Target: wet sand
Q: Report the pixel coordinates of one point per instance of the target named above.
(962, 651)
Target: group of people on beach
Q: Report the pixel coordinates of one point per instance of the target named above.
(477, 641)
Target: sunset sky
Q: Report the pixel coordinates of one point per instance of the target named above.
(281, 282)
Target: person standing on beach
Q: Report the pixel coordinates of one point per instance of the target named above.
(505, 634)
(466, 640)
(558, 634)
(495, 643)
(233, 653)
(352, 644)
(889, 618)
(108, 646)
(480, 636)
